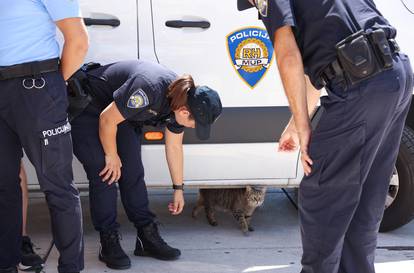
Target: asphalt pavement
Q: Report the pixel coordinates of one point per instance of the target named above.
(274, 246)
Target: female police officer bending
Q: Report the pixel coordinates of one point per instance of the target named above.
(107, 141)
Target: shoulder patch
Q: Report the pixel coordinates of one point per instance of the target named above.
(138, 99)
(263, 6)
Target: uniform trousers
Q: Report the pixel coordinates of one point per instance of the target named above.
(354, 148)
(35, 119)
(103, 197)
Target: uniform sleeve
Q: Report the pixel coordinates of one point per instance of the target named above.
(62, 9)
(175, 128)
(276, 14)
(133, 97)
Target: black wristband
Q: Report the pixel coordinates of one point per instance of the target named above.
(178, 187)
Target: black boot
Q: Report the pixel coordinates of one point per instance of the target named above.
(150, 243)
(30, 260)
(8, 270)
(111, 252)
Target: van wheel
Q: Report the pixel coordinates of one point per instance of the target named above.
(399, 206)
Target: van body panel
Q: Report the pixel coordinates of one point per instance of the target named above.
(233, 156)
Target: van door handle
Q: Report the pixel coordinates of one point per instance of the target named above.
(191, 24)
(102, 22)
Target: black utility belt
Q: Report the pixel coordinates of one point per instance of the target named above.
(361, 56)
(32, 69)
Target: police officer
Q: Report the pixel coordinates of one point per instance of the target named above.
(348, 47)
(107, 139)
(33, 116)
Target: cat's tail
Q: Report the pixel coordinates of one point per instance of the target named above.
(198, 207)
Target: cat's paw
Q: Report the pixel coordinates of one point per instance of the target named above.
(251, 229)
(214, 224)
(246, 233)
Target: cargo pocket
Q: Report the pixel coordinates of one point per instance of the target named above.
(338, 155)
(56, 150)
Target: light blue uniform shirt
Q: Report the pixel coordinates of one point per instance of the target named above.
(28, 29)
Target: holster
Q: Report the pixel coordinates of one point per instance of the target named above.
(79, 91)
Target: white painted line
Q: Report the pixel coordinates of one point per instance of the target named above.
(263, 268)
(400, 267)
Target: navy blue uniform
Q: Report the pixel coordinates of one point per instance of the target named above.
(33, 116)
(355, 145)
(139, 90)
(319, 27)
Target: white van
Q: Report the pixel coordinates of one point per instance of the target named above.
(206, 38)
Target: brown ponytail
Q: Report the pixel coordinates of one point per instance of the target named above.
(177, 91)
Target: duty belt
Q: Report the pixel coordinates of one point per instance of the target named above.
(335, 70)
(28, 69)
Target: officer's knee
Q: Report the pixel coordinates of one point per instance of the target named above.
(66, 200)
(98, 185)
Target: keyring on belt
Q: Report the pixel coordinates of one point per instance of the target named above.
(34, 83)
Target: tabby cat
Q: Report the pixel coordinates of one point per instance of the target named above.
(240, 202)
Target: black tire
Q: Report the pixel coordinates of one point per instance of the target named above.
(401, 210)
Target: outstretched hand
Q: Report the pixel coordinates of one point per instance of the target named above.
(112, 171)
(289, 140)
(177, 206)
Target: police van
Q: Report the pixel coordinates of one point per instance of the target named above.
(231, 52)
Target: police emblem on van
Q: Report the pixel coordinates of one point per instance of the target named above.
(138, 99)
(251, 53)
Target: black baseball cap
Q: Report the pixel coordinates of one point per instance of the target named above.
(205, 106)
(244, 4)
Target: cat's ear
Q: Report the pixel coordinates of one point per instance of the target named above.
(248, 188)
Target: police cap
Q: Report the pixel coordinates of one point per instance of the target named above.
(205, 106)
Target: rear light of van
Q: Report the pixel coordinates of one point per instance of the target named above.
(154, 136)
